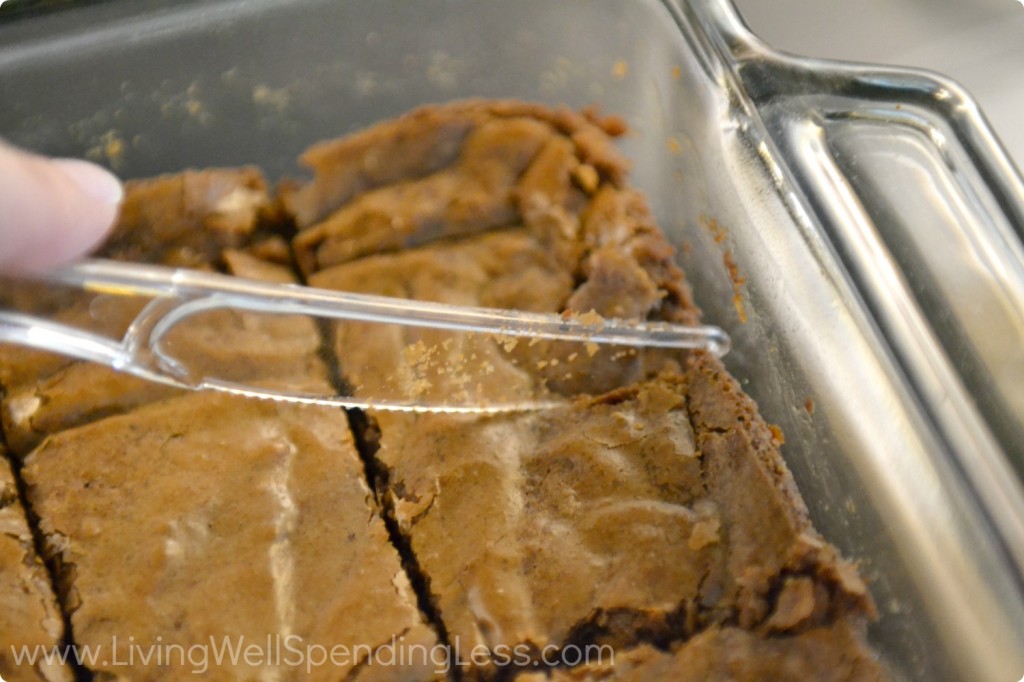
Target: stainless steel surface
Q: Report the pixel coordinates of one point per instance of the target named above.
(748, 162)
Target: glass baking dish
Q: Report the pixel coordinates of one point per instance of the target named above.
(857, 230)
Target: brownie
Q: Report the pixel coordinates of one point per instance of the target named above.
(30, 620)
(647, 511)
(618, 519)
(201, 219)
(569, 237)
(175, 519)
(187, 219)
(443, 172)
(652, 509)
(211, 518)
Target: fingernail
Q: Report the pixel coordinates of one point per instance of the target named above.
(93, 180)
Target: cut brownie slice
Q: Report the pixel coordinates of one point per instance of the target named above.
(195, 219)
(31, 626)
(213, 521)
(539, 530)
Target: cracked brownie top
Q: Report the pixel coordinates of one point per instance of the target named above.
(206, 519)
(651, 512)
(658, 511)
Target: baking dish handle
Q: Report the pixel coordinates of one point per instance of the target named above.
(925, 211)
(898, 174)
(766, 73)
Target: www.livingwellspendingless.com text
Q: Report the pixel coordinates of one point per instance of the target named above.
(293, 652)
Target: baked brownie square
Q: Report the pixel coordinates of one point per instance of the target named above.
(206, 519)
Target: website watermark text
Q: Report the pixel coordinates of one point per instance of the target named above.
(294, 652)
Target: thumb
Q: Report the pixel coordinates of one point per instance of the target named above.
(52, 210)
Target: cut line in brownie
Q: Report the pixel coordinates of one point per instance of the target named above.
(29, 616)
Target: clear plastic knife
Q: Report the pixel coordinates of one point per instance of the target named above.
(441, 358)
